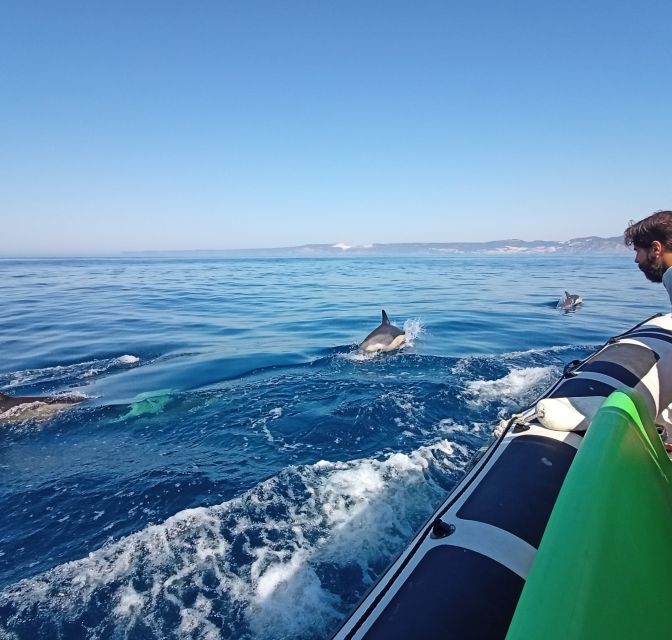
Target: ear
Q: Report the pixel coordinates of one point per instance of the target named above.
(665, 255)
(657, 247)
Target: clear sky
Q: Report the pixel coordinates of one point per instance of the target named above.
(240, 124)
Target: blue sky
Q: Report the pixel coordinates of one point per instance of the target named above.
(214, 125)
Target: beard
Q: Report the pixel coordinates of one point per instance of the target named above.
(653, 269)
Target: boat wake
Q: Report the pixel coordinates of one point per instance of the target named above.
(271, 563)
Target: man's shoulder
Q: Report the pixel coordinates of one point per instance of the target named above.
(667, 282)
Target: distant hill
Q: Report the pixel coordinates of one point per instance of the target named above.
(588, 245)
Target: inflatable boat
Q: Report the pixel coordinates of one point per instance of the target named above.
(562, 528)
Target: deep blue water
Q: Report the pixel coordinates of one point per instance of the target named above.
(236, 470)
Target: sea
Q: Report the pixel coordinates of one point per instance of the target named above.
(235, 469)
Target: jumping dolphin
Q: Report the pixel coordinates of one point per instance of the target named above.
(570, 301)
(385, 337)
(25, 408)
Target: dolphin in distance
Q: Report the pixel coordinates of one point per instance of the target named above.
(385, 337)
(570, 301)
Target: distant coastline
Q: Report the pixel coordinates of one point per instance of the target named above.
(587, 245)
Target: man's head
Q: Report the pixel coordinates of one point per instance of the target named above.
(651, 238)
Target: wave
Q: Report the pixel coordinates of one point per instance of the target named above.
(63, 374)
(508, 390)
(293, 555)
(287, 559)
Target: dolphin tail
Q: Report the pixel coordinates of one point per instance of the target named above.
(386, 320)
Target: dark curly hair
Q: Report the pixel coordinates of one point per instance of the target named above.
(657, 226)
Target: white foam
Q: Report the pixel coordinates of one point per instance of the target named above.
(466, 363)
(274, 576)
(357, 356)
(129, 601)
(260, 556)
(554, 349)
(71, 395)
(412, 410)
(448, 426)
(262, 423)
(414, 328)
(93, 371)
(511, 388)
(79, 370)
(194, 621)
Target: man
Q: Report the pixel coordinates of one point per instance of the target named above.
(651, 238)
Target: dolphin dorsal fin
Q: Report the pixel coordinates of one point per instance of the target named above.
(567, 295)
(386, 320)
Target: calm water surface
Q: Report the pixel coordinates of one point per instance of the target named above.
(236, 470)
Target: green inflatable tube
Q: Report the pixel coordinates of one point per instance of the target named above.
(604, 565)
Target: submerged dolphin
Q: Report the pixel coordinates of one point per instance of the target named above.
(148, 403)
(25, 408)
(570, 301)
(385, 337)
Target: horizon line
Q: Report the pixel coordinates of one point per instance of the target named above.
(339, 248)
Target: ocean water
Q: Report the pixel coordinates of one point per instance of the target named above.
(236, 470)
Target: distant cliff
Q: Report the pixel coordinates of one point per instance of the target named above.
(589, 245)
(592, 244)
